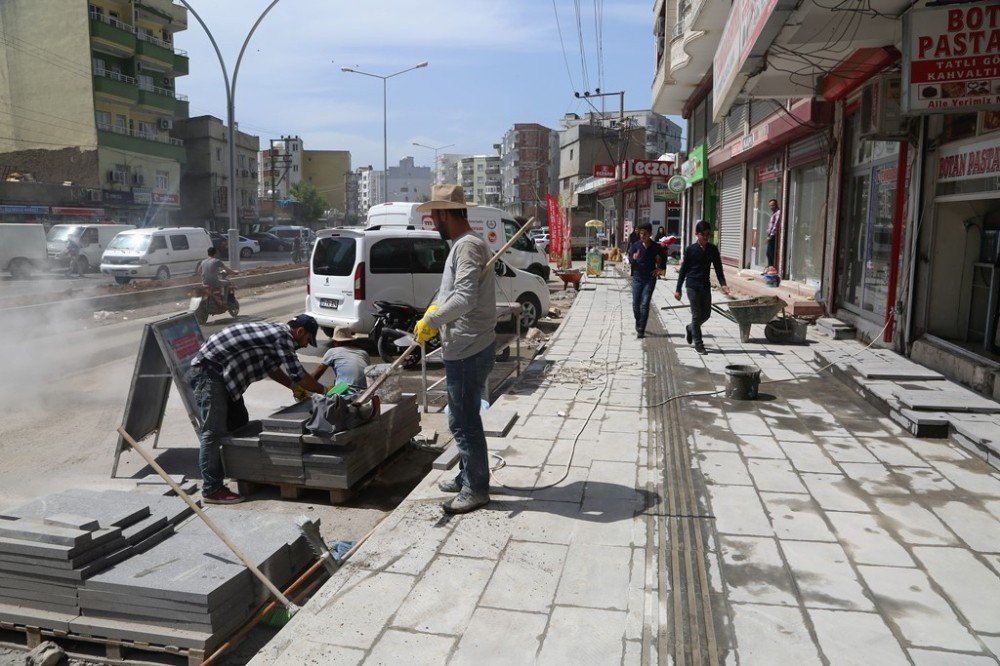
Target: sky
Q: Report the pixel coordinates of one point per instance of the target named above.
(491, 64)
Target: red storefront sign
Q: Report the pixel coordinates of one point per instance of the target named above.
(70, 210)
(662, 168)
(951, 58)
(166, 199)
(604, 171)
(978, 160)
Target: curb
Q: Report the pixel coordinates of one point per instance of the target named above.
(42, 312)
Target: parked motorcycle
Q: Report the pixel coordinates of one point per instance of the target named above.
(207, 301)
(393, 321)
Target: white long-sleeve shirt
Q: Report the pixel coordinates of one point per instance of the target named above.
(466, 302)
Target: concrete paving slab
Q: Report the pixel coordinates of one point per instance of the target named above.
(36, 617)
(761, 446)
(796, 516)
(848, 638)
(967, 582)
(526, 578)
(443, 600)
(724, 468)
(952, 399)
(922, 615)
(497, 421)
(913, 523)
(892, 370)
(738, 510)
(975, 526)
(892, 452)
(28, 529)
(809, 457)
(764, 631)
(754, 571)
(595, 578)
(937, 658)
(971, 476)
(420, 649)
(73, 521)
(834, 492)
(583, 636)
(135, 631)
(775, 476)
(500, 637)
(824, 576)
(866, 542)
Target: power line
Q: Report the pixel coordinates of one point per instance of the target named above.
(562, 45)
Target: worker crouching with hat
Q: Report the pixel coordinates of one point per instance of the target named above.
(465, 312)
(221, 371)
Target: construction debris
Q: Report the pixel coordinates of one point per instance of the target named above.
(45, 654)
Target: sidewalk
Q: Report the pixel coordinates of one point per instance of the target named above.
(801, 528)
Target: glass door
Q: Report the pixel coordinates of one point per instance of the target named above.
(805, 223)
(766, 186)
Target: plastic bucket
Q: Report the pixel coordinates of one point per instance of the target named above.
(743, 382)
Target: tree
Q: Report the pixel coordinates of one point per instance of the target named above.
(312, 205)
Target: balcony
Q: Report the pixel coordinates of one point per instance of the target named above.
(164, 100)
(180, 66)
(112, 34)
(154, 49)
(140, 142)
(115, 84)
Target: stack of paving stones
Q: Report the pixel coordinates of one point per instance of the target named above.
(51, 545)
(190, 590)
(279, 451)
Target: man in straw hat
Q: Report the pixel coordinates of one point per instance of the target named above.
(465, 311)
(346, 359)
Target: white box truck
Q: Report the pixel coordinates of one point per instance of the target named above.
(493, 225)
(22, 249)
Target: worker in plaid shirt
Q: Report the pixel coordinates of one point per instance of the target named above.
(221, 371)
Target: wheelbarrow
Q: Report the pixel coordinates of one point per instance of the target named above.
(758, 310)
(570, 277)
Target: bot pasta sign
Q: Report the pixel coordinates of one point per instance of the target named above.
(951, 58)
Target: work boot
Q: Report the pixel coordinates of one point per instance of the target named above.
(222, 496)
(450, 486)
(465, 502)
(689, 336)
(700, 349)
(640, 334)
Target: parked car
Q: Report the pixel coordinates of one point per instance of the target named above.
(542, 242)
(248, 247)
(288, 232)
(92, 239)
(351, 269)
(269, 242)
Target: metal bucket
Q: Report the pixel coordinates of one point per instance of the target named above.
(743, 382)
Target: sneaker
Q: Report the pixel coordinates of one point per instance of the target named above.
(450, 486)
(465, 502)
(640, 334)
(222, 496)
(700, 349)
(688, 336)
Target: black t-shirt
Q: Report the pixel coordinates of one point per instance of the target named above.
(650, 258)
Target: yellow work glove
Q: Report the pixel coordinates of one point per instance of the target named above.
(301, 394)
(423, 330)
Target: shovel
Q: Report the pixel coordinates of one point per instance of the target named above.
(367, 395)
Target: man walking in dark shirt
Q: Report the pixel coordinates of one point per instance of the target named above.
(698, 259)
(646, 258)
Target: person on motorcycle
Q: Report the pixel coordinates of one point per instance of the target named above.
(348, 362)
(214, 275)
(72, 252)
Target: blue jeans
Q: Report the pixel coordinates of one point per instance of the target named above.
(701, 310)
(466, 382)
(219, 415)
(642, 294)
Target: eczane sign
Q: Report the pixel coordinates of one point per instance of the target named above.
(651, 168)
(951, 58)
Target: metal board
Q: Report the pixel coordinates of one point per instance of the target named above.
(164, 357)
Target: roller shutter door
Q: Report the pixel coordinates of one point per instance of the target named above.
(731, 216)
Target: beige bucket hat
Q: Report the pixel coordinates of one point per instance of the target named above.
(445, 197)
(342, 334)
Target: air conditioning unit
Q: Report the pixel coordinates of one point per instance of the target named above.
(137, 179)
(166, 124)
(880, 115)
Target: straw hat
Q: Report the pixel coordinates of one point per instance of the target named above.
(342, 334)
(445, 197)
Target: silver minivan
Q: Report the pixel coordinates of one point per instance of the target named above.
(350, 269)
(159, 253)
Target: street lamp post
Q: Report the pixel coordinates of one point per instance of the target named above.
(234, 230)
(435, 154)
(385, 123)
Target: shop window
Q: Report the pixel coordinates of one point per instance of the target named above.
(959, 126)
(162, 180)
(805, 222)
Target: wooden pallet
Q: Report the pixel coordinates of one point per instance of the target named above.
(98, 649)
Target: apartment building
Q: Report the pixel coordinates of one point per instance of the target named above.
(327, 171)
(529, 169)
(409, 182)
(479, 176)
(205, 175)
(88, 94)
(280, 167)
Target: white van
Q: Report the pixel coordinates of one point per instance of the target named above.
(159, 253)
(92, 239)
(22, 249)
(350, 269)
(493, 225)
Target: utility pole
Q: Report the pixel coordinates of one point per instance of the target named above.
(623, 139)
(274, 184)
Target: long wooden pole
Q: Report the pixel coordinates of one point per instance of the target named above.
(367, 395)
(292, 608)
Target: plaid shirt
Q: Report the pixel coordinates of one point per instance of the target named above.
(250, 351)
